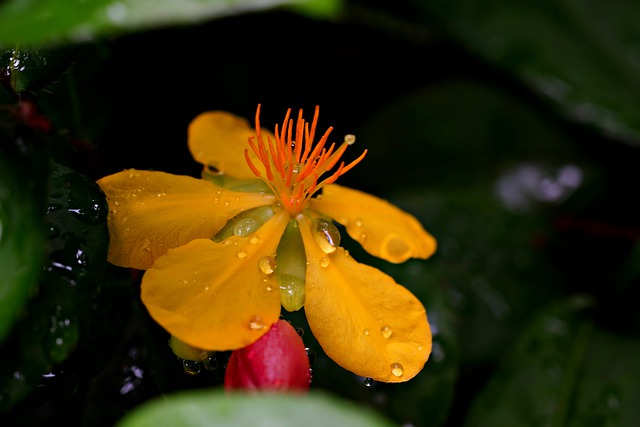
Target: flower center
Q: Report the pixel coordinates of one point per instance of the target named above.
(293, 165)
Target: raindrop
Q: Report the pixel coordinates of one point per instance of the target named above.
(311, 355)
(242, 254)
(267, 264)
(324, 262)
(245, 226)
(358, 222)
(397, 369)
(386, 331)
(368, 381)
(210, 363)
(254, 239)
(191, 367)
(256, 322)
(366, 332)
(326, 235)
(300, 331)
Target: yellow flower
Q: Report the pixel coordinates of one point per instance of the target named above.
(223, 253)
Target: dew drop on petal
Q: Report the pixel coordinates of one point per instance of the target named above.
(267, 264)
(256, 322)
(366, 332)
(397, 369)
(254, 239)
(242, 254)
(358, 222)
(386, 331)
(326, 235)
(324, 262)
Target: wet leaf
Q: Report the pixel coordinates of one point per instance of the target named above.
(209, 407)
(563, 370)
(28, 69)
(584, 57)
(50, 21)
(76, 257)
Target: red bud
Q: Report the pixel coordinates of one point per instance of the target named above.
(278, 361)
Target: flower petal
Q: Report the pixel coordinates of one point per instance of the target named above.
(381, 228)
(362, 318)
(213, 295)
(218, 139)
(150, 212)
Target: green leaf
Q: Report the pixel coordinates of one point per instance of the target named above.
(22, 231)
(563, 371)
(215, 407)
(52, 323)
(584, 57)
(52, 21)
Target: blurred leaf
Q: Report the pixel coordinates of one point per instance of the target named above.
(22, 231)
(215, 407)
(563, 371)
(584, 56)
(21, 240)
(50, 329)
(52, 21)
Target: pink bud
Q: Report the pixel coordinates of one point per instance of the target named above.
(278, 361)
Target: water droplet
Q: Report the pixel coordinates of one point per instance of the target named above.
(242, 254)
(368, 381)
(366, 332)
(358, 222)
(191, 367)
(210, 363)
(397, 369)
(300, 331)
(269, 288)
(245, 226)
(254, 239)
(311, 355)
(267, 264)
(324, 262)
(256, 322)
(326, 235)
(386, 331)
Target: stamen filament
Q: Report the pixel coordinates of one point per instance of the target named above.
(292, 171)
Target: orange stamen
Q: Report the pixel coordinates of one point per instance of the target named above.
(291, 170)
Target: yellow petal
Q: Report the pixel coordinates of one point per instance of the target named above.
(218, 139)
(381, 228)
(150, 212)
(214, 296)
(362, 318)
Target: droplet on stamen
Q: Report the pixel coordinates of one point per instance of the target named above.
(386, 331)
(397, 369)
